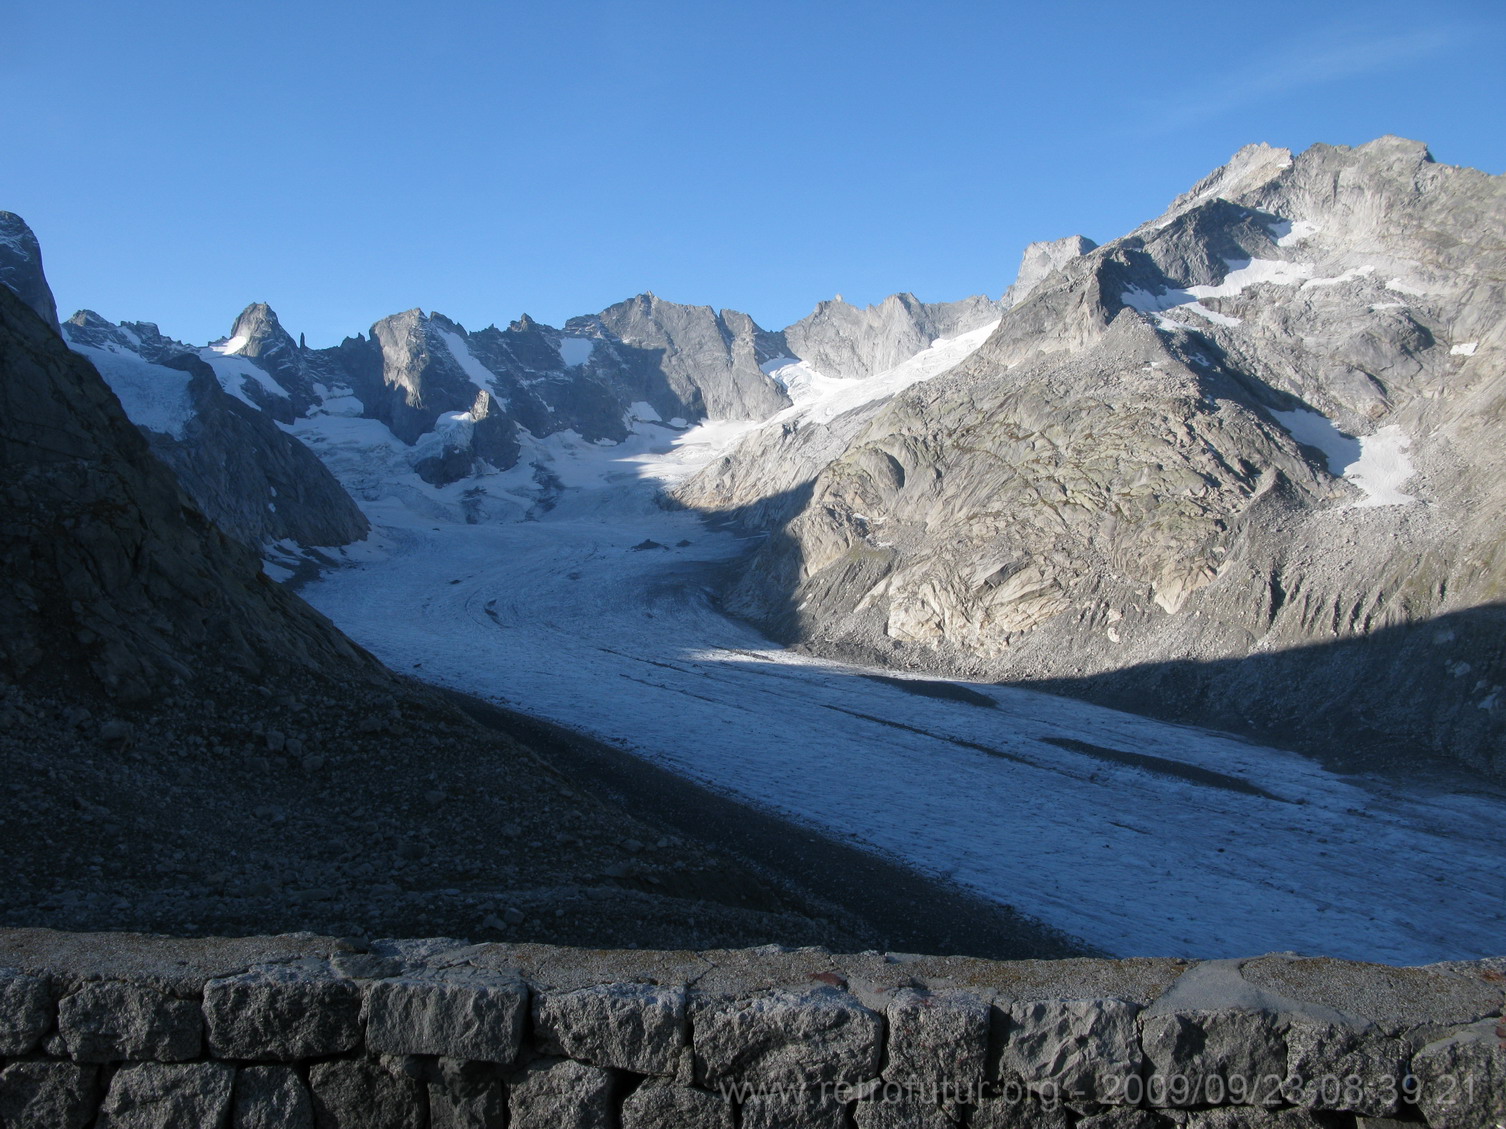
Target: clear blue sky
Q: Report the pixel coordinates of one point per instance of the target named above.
(343, 161)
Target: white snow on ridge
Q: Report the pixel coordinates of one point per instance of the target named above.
(1378, 464)
(1353, 274)
(1156, 304)
(1465, 350)
(460, 349)
(233, 346)
(1243, 273)
(643, 410)
(821, 398)
(1403, 287)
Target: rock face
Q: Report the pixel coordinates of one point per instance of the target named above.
(21, 267)
(838, 339)
(254, 481)
(1237, 467)
(114, 575)
(1040, 260)
(690, 361)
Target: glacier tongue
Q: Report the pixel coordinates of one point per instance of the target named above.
(1219, 848)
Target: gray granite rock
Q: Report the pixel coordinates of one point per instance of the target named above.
(1120, 1119)
(1342, 1067)
(1212, 1058)
(560, 1094)
(156, 1096)
(21, 267)
(806, 1038)
(1108, 498)
(54, 1095)
(270, 1097)
(1462, 1077)
(637, 1027)
(25, 1011)
(114, 1021)
(466, 1015)
(1246, 1118)
(793, 1109)
(1013, 1112)
(467, 1102)
(902, 1110)
(1083, 1050)
(362, 1094)
(937, 1040)
(663, 1105)
(282, 1013)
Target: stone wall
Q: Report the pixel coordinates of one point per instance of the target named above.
(118, 1031)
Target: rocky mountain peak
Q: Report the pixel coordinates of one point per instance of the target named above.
(1249, 168)
(256, 332)
(21, 267)
(1039, 260)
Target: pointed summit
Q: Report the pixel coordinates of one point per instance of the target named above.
(256, 331)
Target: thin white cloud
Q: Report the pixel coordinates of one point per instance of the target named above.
(1342, 54)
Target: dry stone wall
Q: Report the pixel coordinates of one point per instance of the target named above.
(120, 1031)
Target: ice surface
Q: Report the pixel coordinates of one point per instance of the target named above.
(558, 617)
(152, 396)
(576, 350)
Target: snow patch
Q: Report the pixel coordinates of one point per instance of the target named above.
(233, 346)
(153, 396)
(1243, 273)
(234, 372)
(1401, 287)
(643, 410)
(460, 349)
(1156, 304)
(1288, 232)
(1353, 274)
(576, 351)
(1465, 350)
(1383, 467)
(1378, 464)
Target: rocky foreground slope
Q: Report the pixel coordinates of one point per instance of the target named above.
(1242, 466)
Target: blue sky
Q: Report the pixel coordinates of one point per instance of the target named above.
(343, 161)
